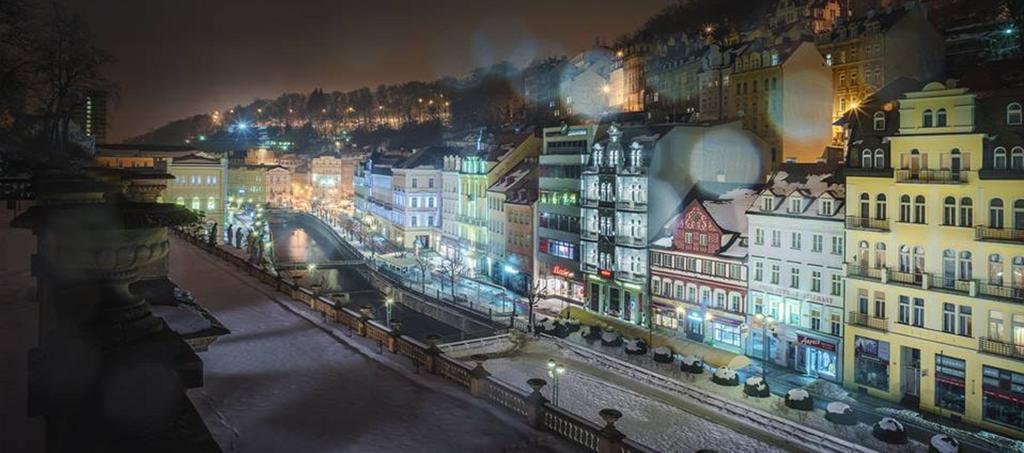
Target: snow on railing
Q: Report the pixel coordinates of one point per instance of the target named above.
(473, 343)
(505, 396)
(571, 427)
(782, 427)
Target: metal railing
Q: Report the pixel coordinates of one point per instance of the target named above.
(906, 278)
(1015, 351)
(984, 233)
(1005, 292)
(857, 318)
(857, 270)
(630, 241)
(867, 223)
(931, 176)
(950, 284)
(631, 205)
(474, 343)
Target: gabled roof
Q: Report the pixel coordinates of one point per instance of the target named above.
(811, 181)
(515, 177)
(431, 156)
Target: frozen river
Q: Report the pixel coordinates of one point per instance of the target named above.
(278, 383)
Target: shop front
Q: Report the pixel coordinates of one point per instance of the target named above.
(695, 324)
(871, 363)
(818, 356)
(562, 283)
(1003, 397)
(725, 333)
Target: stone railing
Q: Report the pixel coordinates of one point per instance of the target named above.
(857, 318)
(984, 233)
(533, 407)
(866, 223)
(1015, 351)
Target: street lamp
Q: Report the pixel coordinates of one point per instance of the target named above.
(555, 372)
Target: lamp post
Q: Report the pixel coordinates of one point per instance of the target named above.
(765, 342)
(555, 372)
(529, 305)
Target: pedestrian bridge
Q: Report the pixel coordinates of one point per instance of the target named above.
(337, 264)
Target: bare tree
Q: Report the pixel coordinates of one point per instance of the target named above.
(67, 67)
(422, 259)
(453, 266)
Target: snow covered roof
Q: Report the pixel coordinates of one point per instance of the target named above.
(812, 181)
(511, 179)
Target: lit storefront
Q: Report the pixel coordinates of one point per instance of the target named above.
(871, 363)
(1003, 400)
(950, 383)
(561, 282)
(818, 356)
(725, 333)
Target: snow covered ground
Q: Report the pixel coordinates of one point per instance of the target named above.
(585, 390)
(279, 383)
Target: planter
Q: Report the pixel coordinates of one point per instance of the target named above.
(941, 443)
(663, 354)
(890, 431)
(757, 387)
(691, 364)
(636, 346)
(800, 400)
(840, 414)
(611, 338)
(590, 333)
(725, 377)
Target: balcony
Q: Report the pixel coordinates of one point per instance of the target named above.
(1013, 351)
(984, 233)
(870, 172)
(906, 278)
(857, 318)
(589, 235)
(588, 202)
(630, 241)
(631, 205)
(931, 177)
(941, 282)
(863, 272)
(866, 223)
(1003, 292)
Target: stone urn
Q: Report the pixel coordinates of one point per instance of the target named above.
(145, 186)
(536, 384)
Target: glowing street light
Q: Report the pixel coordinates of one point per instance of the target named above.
(387, 309)
(555, 372)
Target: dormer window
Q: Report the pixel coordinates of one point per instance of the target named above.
(926, 118)
(1014, 114)
(796, 205)
(879, 158)
(865, 158)
(767, 203)
(825, 207)
(879, 120)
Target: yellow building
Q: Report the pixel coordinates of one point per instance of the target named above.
(248, 183)
(198, 185)
(935, 257)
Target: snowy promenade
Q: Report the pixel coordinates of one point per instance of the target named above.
(281, 383)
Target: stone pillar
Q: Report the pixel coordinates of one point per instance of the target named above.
(535, 403)
(365, 314)
(478, 376)
(610, 437)
(432, 352)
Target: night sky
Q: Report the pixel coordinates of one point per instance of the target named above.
(181, 57)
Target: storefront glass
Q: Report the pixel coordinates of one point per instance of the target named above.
(949, 383)
(1003, 400)
(726, 334)
(871, 367)
(695, 325)
(817, 357)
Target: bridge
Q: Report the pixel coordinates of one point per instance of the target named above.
(336, 264)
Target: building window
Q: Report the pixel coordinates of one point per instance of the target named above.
(817, 242)
(995, 213)
(940, 118)
(837, 245)
(775, 274)
(1017, 159)
(816, 281)
(966, 212)
(903, 317)
(776, 238)
(995, 270)
(826, 208)
(948, 318)
(999, 158)
(795, 240)
(180, 201)
(195, 203)
(837, 285)
(926, 118)
(964, 325)
(950, 378)
(949, 211)
(1003, 397)
(836, 324)
(794, 277)
(758, 271)
(796, 205)
(1013, 114)
(966, 268)
(918, 318)
(905, 208)
(879, 120)
(865, 159)
(880, 211)
(211, 203)
(759, 236)
(879, 158)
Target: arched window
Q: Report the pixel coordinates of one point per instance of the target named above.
(905, 209)
(918, 260)
(180, 201)
(879, 118)
(999, 158)
(955, 160)
(1018, 214)
(926, 118)
(880, 208)
(949, 211)
(940, 118)
(966, 266)
(966, 212)
(879, 158)
(863, 250)
(1017, 272)
(211, 203)
(995, 269)
(865, 158)
(865, 206)
(919, 211)
(1013, 114)
(1017, 158)
(195, 203)
(948, 267)
(996, 218)
(904, 259)
(880, 255)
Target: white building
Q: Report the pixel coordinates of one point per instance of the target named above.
(795, 278)
(416, 192)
